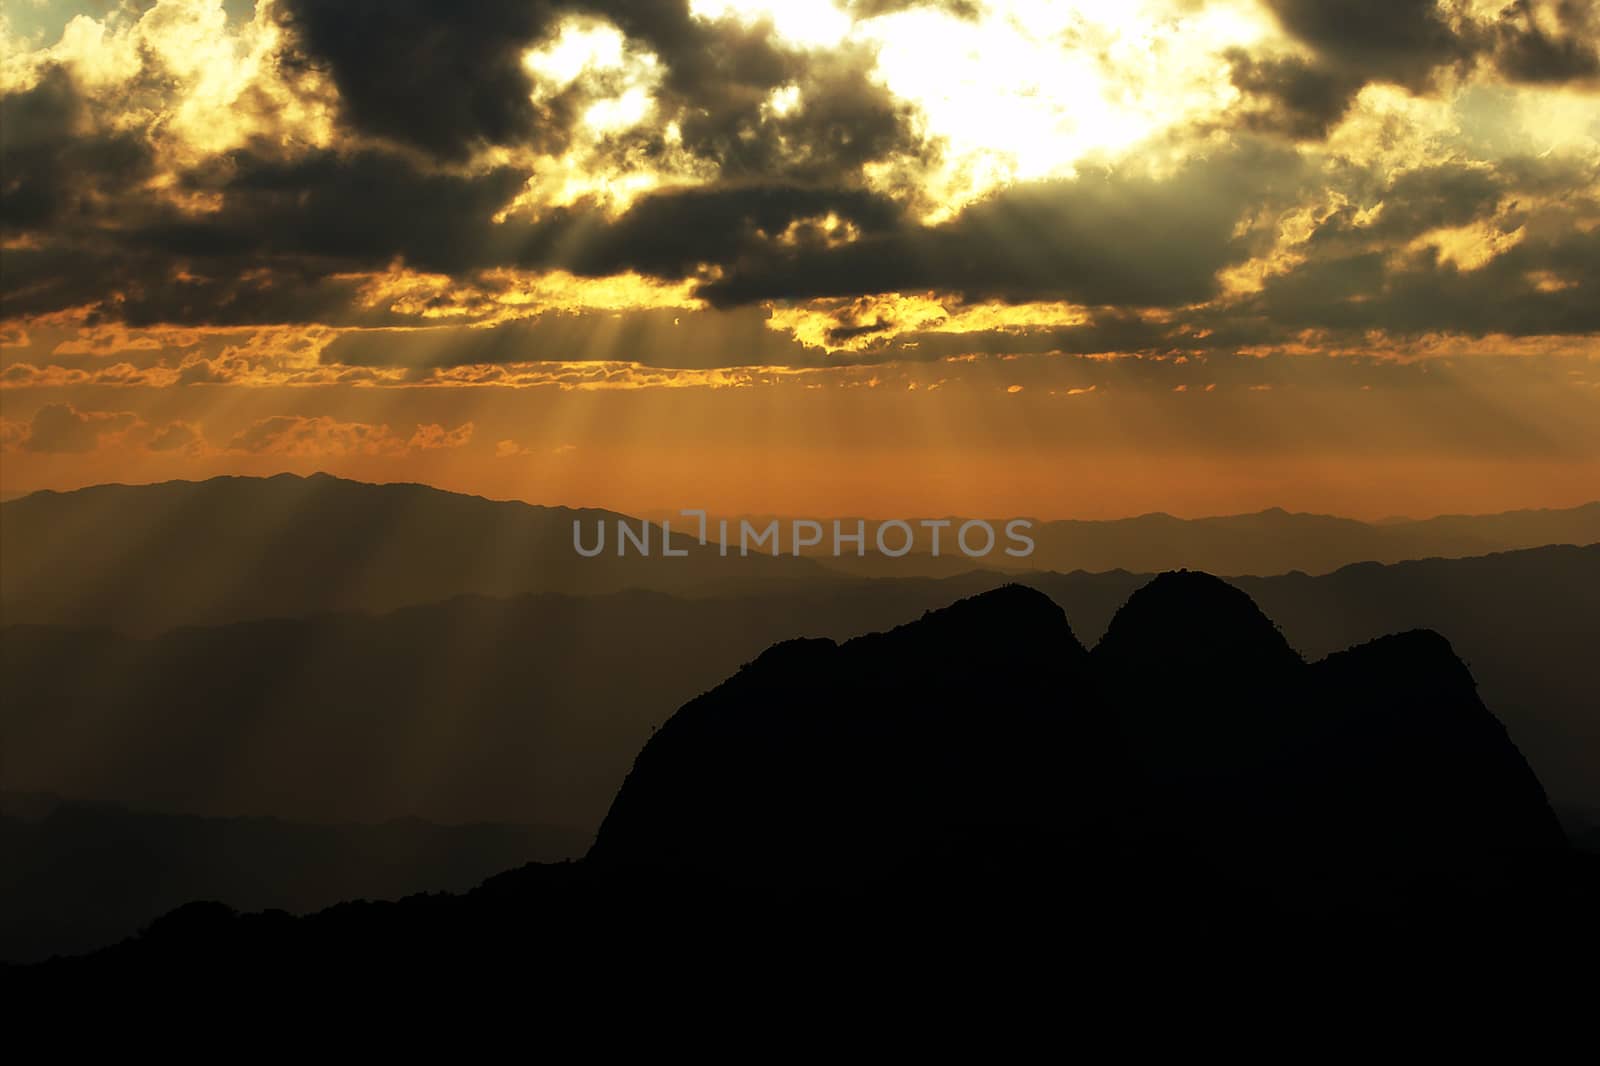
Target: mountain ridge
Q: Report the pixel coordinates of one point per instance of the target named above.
(237, 548)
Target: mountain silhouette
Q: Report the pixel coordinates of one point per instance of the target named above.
(980, 773)
(1192, 724)
(1375, 763)
(1185, 622)
(819, 754)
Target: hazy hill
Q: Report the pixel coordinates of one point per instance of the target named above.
(1277, 541)
(1266, 543)
(525, 709)
(147, 557)
(78, 876)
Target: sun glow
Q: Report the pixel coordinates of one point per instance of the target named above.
(1033, 93)
(1030, 92)
(228, 217)
(809, 23)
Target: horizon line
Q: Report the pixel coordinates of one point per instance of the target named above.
(656, 514)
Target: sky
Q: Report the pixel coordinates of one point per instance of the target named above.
(812, 257)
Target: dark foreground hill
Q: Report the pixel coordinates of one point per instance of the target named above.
(78, 876)
(1193, 726)
(976, 786)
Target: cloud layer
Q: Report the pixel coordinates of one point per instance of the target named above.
(426, 186)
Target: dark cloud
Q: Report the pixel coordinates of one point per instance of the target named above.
(367, 210)
(1403, 42)
(689, 340)
(145, 287)
(1101, 238)
(671, 235)
(1526, 52)
(1301, 99)
(447, 78)
(55, 166)
(843, 121)
(286, 230)
(1355, 42)
(718, 82)
(786, 215)
(1371, 274)
(1407, 43)
(865, 9)
(668, 338)
(443, 77)
(1434, 197)
(275, 248)
(1510, 294)
(1414, 202)
(356, 209)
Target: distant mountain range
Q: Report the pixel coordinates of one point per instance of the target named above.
(1276, 541)
(145, 558)
(978, 789)
(150, 557)
(1268, 542)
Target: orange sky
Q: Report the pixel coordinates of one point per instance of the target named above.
(1063, 260)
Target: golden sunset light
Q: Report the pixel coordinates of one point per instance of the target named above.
(219, 214)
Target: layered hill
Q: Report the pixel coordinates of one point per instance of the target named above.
(78, 876)
(1278, 541)
(1267, 542)
(977, 776)
(143, 558)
